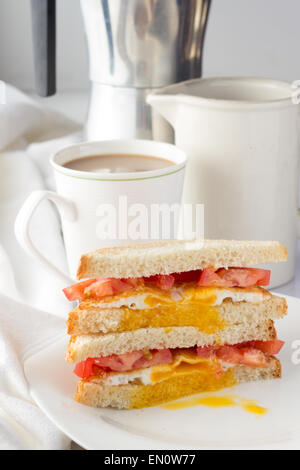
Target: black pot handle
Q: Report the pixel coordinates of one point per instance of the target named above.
(44, 45)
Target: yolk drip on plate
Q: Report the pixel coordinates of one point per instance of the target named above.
(214, 401)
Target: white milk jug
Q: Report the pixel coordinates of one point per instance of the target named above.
(241, 136)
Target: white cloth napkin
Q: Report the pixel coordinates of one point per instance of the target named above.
(31, 301)
(22, 424)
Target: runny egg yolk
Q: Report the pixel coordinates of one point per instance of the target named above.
(185, 362)
(204, 317)
(181, 380)
(196, 308)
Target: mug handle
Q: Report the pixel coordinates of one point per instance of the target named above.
(67, 211)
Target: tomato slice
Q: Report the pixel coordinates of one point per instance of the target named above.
(155, 357)
(100, 287)
(85, 369)
(123, 362)
(246, 356)
(253, 357)
(269, 347)
(245, 277)
(250, 353)
(133, 282)
(207, 352)
(166, 281)
(234, 277)
(76, 291)
(230, 354)
(163, 281)
(109, 286)
(209, 278)
(188, 276)
(231, 277)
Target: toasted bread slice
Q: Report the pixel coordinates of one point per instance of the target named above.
(167, 257)
(85, 346)
(88, 318)
(140, 396)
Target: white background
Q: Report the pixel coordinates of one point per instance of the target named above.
(244, 37)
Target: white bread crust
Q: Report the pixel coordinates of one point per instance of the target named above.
(85, 346)
(166, 257)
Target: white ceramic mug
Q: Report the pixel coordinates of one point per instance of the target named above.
(80, 194)
(241, 137)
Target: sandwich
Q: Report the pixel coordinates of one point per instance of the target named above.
(163, 320)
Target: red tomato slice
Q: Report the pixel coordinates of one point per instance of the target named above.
(85, 369)
(150, 278)
(188, 276)
(209, 278)
(154, 358)
(100, 289)
(245, 277)
(230, 354)
(250, 353)
(246, 356)
(253, 357)
(268, 347)
(123, 362)
(231, 277)
(133, 282)
(163, 281)
(234, 277)
(168, 279)
(207, 352)
(76, 291)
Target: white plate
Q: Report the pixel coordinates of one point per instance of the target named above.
(53, 385)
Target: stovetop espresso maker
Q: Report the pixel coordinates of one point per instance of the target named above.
(135, 47)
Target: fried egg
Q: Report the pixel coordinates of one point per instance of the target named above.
(147, 297)
(184, 363)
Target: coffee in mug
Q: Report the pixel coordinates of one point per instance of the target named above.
(118, 163)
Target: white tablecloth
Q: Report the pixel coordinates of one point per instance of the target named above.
(31, 301)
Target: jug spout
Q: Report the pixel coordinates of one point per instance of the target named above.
(168, 101)
(165, 105)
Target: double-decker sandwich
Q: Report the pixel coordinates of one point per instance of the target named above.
(159, 321)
